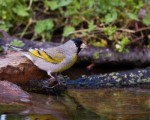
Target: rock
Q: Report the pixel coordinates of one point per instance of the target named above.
(11, 93)
(18, 69)
(12, 98)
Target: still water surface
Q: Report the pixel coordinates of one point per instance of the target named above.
(95, 104)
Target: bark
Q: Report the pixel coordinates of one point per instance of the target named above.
(98, 56)
(10, 70)
(136, 78)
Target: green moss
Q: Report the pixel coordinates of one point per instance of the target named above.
(11, 108)
(96, 55)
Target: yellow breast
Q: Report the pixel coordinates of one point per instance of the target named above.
(70, 64)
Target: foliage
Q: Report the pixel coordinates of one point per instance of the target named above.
(146, 20)
(44, 27)
(112, 23)
(17, 43)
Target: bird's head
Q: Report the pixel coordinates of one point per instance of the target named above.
(79, 44)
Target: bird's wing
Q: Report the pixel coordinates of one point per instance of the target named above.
(51, 55)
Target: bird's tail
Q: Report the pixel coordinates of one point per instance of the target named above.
(26, 54)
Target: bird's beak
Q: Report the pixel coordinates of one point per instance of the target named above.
(83, 46)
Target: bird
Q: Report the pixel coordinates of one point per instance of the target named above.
(56, 59)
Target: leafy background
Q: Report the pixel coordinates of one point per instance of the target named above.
(118, 24)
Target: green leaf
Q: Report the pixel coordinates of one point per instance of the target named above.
(17, 43)
(1, 49)
(110, 30)
(125, 41)
(90, 3)
(121, 45)
(132, 16)
(96, 55)
(21, 10)
(43, 25)
(119, 48)
(116, 3)
(76, 21)
(57, 4)
(52, 4)
(91, 26)
(65, 2)
(5, 26)
(146, 20)
(68, 30)
(111, 17)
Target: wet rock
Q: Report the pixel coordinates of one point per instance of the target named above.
(11, 93)
(12, 98)
(18, 69)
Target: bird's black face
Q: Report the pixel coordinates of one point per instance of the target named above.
(78, 42)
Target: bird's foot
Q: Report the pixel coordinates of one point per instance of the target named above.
(53, 82)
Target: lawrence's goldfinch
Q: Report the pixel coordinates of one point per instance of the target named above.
(56, 59)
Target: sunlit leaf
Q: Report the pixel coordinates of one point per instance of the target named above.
(1, 49)
(52, 4)
(117, 3)
(64, 2)
(17, 43)
(121, 45)
(118, 48)
(21, 10)
(101, 43)
(125, 41)
(110, 17)
(57, 4)
(91, 26)
(146, 20)
(90, 3)
(76, 21)
(43, 25)
(68, 30)
(5, 26)
(110, 30)
(132, 16)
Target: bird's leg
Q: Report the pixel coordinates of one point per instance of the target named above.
(52, 81)
(49, 73)
(57, 79)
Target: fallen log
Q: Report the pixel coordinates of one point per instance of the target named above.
(10, 70)
(130, 78)
(98, 56)
(18, 69)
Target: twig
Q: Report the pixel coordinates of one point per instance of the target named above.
(25, 29)
(30, 4)
(145, 28)
(119, 29)
(101, 29)
(126, 30)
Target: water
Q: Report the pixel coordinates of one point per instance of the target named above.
(95, 104)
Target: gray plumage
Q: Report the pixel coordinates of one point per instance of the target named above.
(67, 50)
